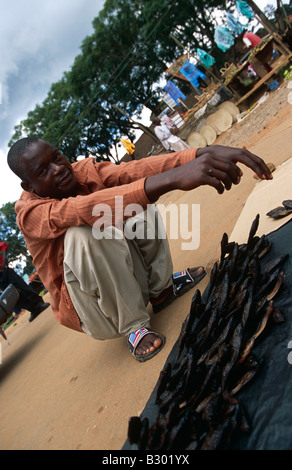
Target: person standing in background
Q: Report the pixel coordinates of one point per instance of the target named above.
(167, 137)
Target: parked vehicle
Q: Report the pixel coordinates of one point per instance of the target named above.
(8, 300)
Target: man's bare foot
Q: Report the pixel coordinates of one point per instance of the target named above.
(196, 271)
(145, 344)
(148, 344)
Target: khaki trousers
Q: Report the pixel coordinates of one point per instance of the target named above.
(110, 280)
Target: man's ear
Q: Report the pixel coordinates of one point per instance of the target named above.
(26, 186)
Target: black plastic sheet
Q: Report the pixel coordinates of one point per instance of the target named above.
(267, 398)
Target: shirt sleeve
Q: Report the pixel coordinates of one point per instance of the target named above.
(112, 175)
(40, 218)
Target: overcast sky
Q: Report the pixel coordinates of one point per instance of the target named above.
(39, 40)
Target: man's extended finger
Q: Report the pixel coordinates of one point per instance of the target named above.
(256, 163)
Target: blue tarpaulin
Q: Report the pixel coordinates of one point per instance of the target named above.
(192, 73)
(174, 91)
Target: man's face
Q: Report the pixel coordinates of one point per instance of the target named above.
(47, 171)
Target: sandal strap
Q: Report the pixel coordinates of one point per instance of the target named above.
(135, 337)
(180, 280)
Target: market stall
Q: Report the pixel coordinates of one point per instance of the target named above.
(261, 57)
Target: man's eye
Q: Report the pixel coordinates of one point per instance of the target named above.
(42, 172)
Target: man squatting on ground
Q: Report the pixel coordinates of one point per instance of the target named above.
(102, 286)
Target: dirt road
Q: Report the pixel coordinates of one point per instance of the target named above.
(61, 389)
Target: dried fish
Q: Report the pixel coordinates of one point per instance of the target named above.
(208, 328)
(134, 429)
(155, 436)
(269, 285)
(243, 422)
(247, 310)
(277, 286)
(211, 408)
(176, 437)
(263, 324)
(216, 436)
(172, 395)
(163, 381)
(252, 232)
(279, 212)
(259, 246)
(216, 345)
(210, 398)
(243, 381)
(265, 250)
(224, 244)
(287, 203)
(246, 350)
(143, 438)
(196, 393)
(205, 386)
(275, 263)
(240, 294)
(249, 369)
(224, 291)
(235, 344)
(233, 260)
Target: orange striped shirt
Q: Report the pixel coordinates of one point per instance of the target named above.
(44, 221)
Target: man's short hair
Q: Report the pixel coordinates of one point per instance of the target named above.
(16, 151)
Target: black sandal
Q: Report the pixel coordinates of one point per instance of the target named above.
(134, 339)
(182, 282)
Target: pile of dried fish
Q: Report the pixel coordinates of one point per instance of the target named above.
(281, 211)
(197, 406)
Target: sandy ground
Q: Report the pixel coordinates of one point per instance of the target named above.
(62, 390)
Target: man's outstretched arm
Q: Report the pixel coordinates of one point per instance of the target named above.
(215, 166)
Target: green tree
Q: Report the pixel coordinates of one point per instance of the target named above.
(10, 233)
(120, 66)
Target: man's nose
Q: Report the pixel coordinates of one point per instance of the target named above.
(56, 168)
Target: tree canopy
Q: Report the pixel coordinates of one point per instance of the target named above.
(120, 66)
(10, 233)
